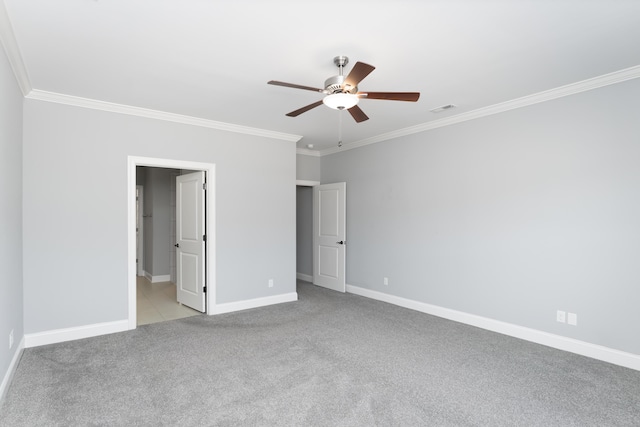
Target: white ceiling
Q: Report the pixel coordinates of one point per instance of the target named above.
(212, 59)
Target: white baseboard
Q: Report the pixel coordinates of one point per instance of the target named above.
(606, 354)
(253, 303)
(158, 279)
(4, 386)
(76, 333)
(304, 277)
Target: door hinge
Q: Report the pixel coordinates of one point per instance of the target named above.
(204, 289)
(204, 185)
(204, 237)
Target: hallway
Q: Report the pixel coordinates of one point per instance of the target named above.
(156, 302)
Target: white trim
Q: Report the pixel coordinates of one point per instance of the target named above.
(158, 279)
(570, 89)
(304, 183)
(8, 377)
(8, 40)
(254, 303)
(582, 348)
(585, 85)
(75, 333)
(94, 104)
(307, 152)
(305, 277)
(210, 169)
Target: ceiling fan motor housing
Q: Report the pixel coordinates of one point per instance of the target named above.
(334, 85)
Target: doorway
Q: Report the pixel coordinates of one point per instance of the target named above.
(209, 219)
(304, 232)
(172, 196)
(321, 234)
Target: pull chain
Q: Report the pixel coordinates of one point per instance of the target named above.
(340, 127)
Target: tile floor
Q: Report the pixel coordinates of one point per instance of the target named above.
(157, 302)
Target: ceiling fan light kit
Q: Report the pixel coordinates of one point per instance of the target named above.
(340, 101)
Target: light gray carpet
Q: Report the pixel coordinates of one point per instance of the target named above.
(329, 359)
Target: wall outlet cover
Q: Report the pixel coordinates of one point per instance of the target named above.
(572, 319)
(561, 316)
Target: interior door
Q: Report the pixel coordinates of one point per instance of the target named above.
(190, 236)
(329, 235)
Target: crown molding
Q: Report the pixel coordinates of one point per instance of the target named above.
(8, 41)
(76, 101)
(307, 152)
(559, 92)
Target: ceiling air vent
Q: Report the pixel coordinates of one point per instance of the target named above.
(443, 108)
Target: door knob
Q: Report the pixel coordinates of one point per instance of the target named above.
(177, 245)
(341, 242)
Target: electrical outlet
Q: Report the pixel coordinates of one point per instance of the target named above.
(385, 281)
(561, 316)
(11, 339)
(572, 319)
(271, 283)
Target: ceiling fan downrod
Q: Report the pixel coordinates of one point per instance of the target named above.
(335, 84)
(340, 62)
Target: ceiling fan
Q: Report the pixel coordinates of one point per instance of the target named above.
(342, 92)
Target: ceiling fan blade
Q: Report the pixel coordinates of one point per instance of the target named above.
(294, 86)
(357, 74)
(357, 114)
(299, 111)
(391, 96)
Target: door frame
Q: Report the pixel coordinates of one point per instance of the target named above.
(210, 257)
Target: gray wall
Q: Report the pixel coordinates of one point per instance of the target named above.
(304, 230)
(307, 168)
(510, 217)
(11, 304)
(75, 229)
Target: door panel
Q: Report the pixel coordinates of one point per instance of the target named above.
(190, 230)
(189, 272)
(328, 262)
(329, 233)
(329, 201)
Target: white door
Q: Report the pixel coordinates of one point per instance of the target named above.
(190, 236)
(329, 235)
